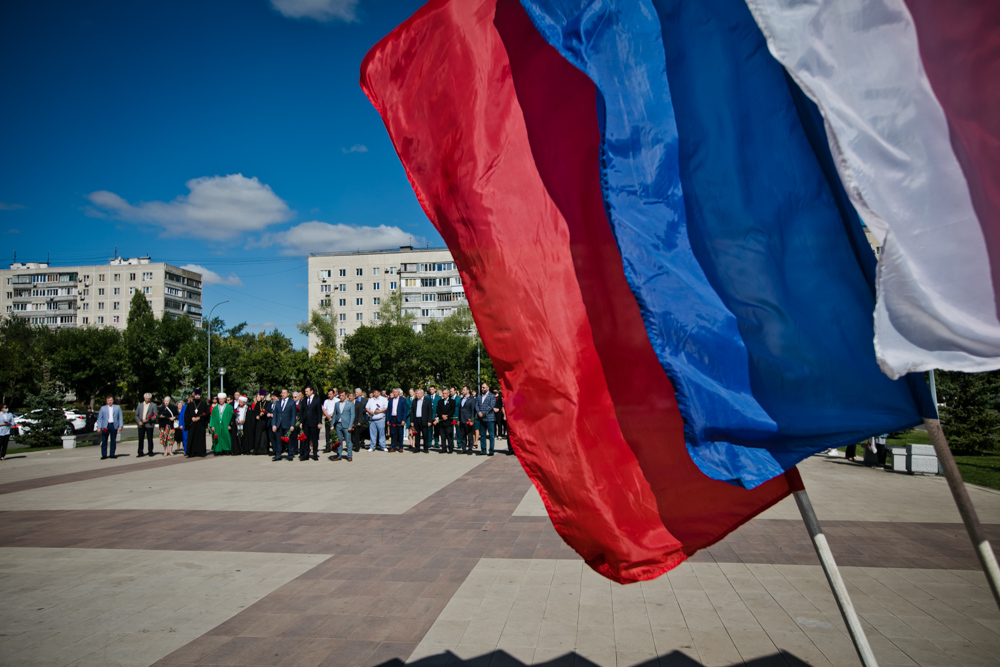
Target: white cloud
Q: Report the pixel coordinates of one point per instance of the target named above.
(15, 207)
(317, 236)
(210, 277)
(217, 208)
(356, 148)
(320, 10)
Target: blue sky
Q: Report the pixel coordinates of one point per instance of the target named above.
(228, 134)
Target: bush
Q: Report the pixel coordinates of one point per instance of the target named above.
(51, 422)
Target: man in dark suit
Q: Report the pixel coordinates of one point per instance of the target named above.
(397, 419)
(432, 432)
(284, 419)
(421, 417)
(466, 419)
(360, 417)
(445, 415)
(311, 416)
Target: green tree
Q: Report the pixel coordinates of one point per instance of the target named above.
(50, 421)
(382, 357)
(322, 323)
(969, 412)
(391, 311)
(21, 347)
(87, 360)
(141, 346)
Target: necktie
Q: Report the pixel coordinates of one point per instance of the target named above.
(283, 401)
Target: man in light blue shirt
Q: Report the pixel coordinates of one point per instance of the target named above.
(6, 421)
(110, 423)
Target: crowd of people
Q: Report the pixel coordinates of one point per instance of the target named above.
(287, 425)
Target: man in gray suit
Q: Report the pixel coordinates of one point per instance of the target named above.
(343, 421)
(284, 419)
(145, 418)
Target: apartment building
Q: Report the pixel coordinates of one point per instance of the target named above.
(98, 295)
(355, 284)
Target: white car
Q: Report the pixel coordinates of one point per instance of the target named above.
(75, 422)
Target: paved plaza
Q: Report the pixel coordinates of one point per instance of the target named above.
(433, 559)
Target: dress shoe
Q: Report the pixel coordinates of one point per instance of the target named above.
(140, 455)
(104, 458)
(113, 456)
(277, 459)
(334, 458)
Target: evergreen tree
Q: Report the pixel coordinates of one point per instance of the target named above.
(142, 349)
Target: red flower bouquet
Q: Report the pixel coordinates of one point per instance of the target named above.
(454, 422)
(284, 438)
(302, 436)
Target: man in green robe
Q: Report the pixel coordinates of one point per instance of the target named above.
(218, 426)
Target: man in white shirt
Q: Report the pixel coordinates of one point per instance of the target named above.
(329, 411)
(376, 408)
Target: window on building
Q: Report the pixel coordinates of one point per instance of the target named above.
(429, 297)
(343, 317)
(100, 277)
(393, 270)
(444, 282)
(100, 305)
(100, 291)
(85, 292)
(425, 313)
(131, 276)
(147, 290)
(117, 277)
(359, 316)
(359, 272)
(324, 302)
(116, 305)
(375, 316)
(375, 270)
(86, 320)
(343, 332)
(118, 290)
(86, 306)
(360, 286)
(325, 273)
(359, 302)
(343, 273)
(342, 302)
(392, 286)
(428, 282)
(409, 267)
(411, 298)
(20, 306)
(116, 320)
(343, 287)
(376, 286)
(377, 301)
(325, 288)
(131, 291)
(148, 275)
(100, 320)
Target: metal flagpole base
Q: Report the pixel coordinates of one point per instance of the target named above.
(837, 585)
(969, 517)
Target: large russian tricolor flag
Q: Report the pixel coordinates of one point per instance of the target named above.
(663, 261)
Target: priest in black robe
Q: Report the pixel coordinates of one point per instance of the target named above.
(196, 423)
(255, 427)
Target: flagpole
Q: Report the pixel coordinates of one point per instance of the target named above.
(837, 585)
(970, 518)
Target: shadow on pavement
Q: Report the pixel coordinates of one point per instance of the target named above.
(572, 659)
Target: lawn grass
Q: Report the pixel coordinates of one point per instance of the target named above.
(911, 437)
(981, 470)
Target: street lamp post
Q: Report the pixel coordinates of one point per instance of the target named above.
(208, 330)
(222, 374)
